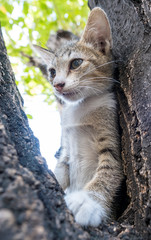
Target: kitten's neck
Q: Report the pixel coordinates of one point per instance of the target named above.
(73, 114)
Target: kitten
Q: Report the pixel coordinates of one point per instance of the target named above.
(89, 169)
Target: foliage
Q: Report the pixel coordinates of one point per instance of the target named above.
(30, 21)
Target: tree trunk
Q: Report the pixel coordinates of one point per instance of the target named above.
(31, 201)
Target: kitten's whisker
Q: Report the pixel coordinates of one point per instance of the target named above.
(90, 70)
(90, 83)
(89, 87)
(92, 88)
(101, 65)
(96, 79)
(80, 92)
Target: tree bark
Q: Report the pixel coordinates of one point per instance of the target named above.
(31, 201)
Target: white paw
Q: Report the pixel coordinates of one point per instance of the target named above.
(86, 210)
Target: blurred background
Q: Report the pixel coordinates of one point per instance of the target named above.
(31, 22)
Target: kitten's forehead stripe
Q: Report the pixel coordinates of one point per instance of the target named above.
(65, 49)
(69, 53)
(76, 50)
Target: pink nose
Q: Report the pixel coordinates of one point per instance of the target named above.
(59, 86)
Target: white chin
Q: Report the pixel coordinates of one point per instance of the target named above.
(70, 97)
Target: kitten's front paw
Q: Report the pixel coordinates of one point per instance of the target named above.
(86, 210)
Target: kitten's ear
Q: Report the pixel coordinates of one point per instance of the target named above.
(97, 31)
(46, 55)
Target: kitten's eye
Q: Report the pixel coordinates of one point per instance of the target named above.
(52, 72)
(76, 63)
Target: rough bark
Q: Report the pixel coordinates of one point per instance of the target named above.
(31, 201)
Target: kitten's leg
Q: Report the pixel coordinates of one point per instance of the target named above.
(93, 204)
(62, 170)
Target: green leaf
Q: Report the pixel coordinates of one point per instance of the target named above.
(9, 7)
(25, 7)
(29, 116)
(2, 15)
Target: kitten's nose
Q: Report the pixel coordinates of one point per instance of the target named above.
(59, 86)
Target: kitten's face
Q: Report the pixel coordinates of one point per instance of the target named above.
(83, 69)
(77, 71)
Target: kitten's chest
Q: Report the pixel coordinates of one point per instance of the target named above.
(78, 137)
(72, 116)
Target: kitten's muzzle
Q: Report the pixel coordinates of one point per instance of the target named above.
(59, 86)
